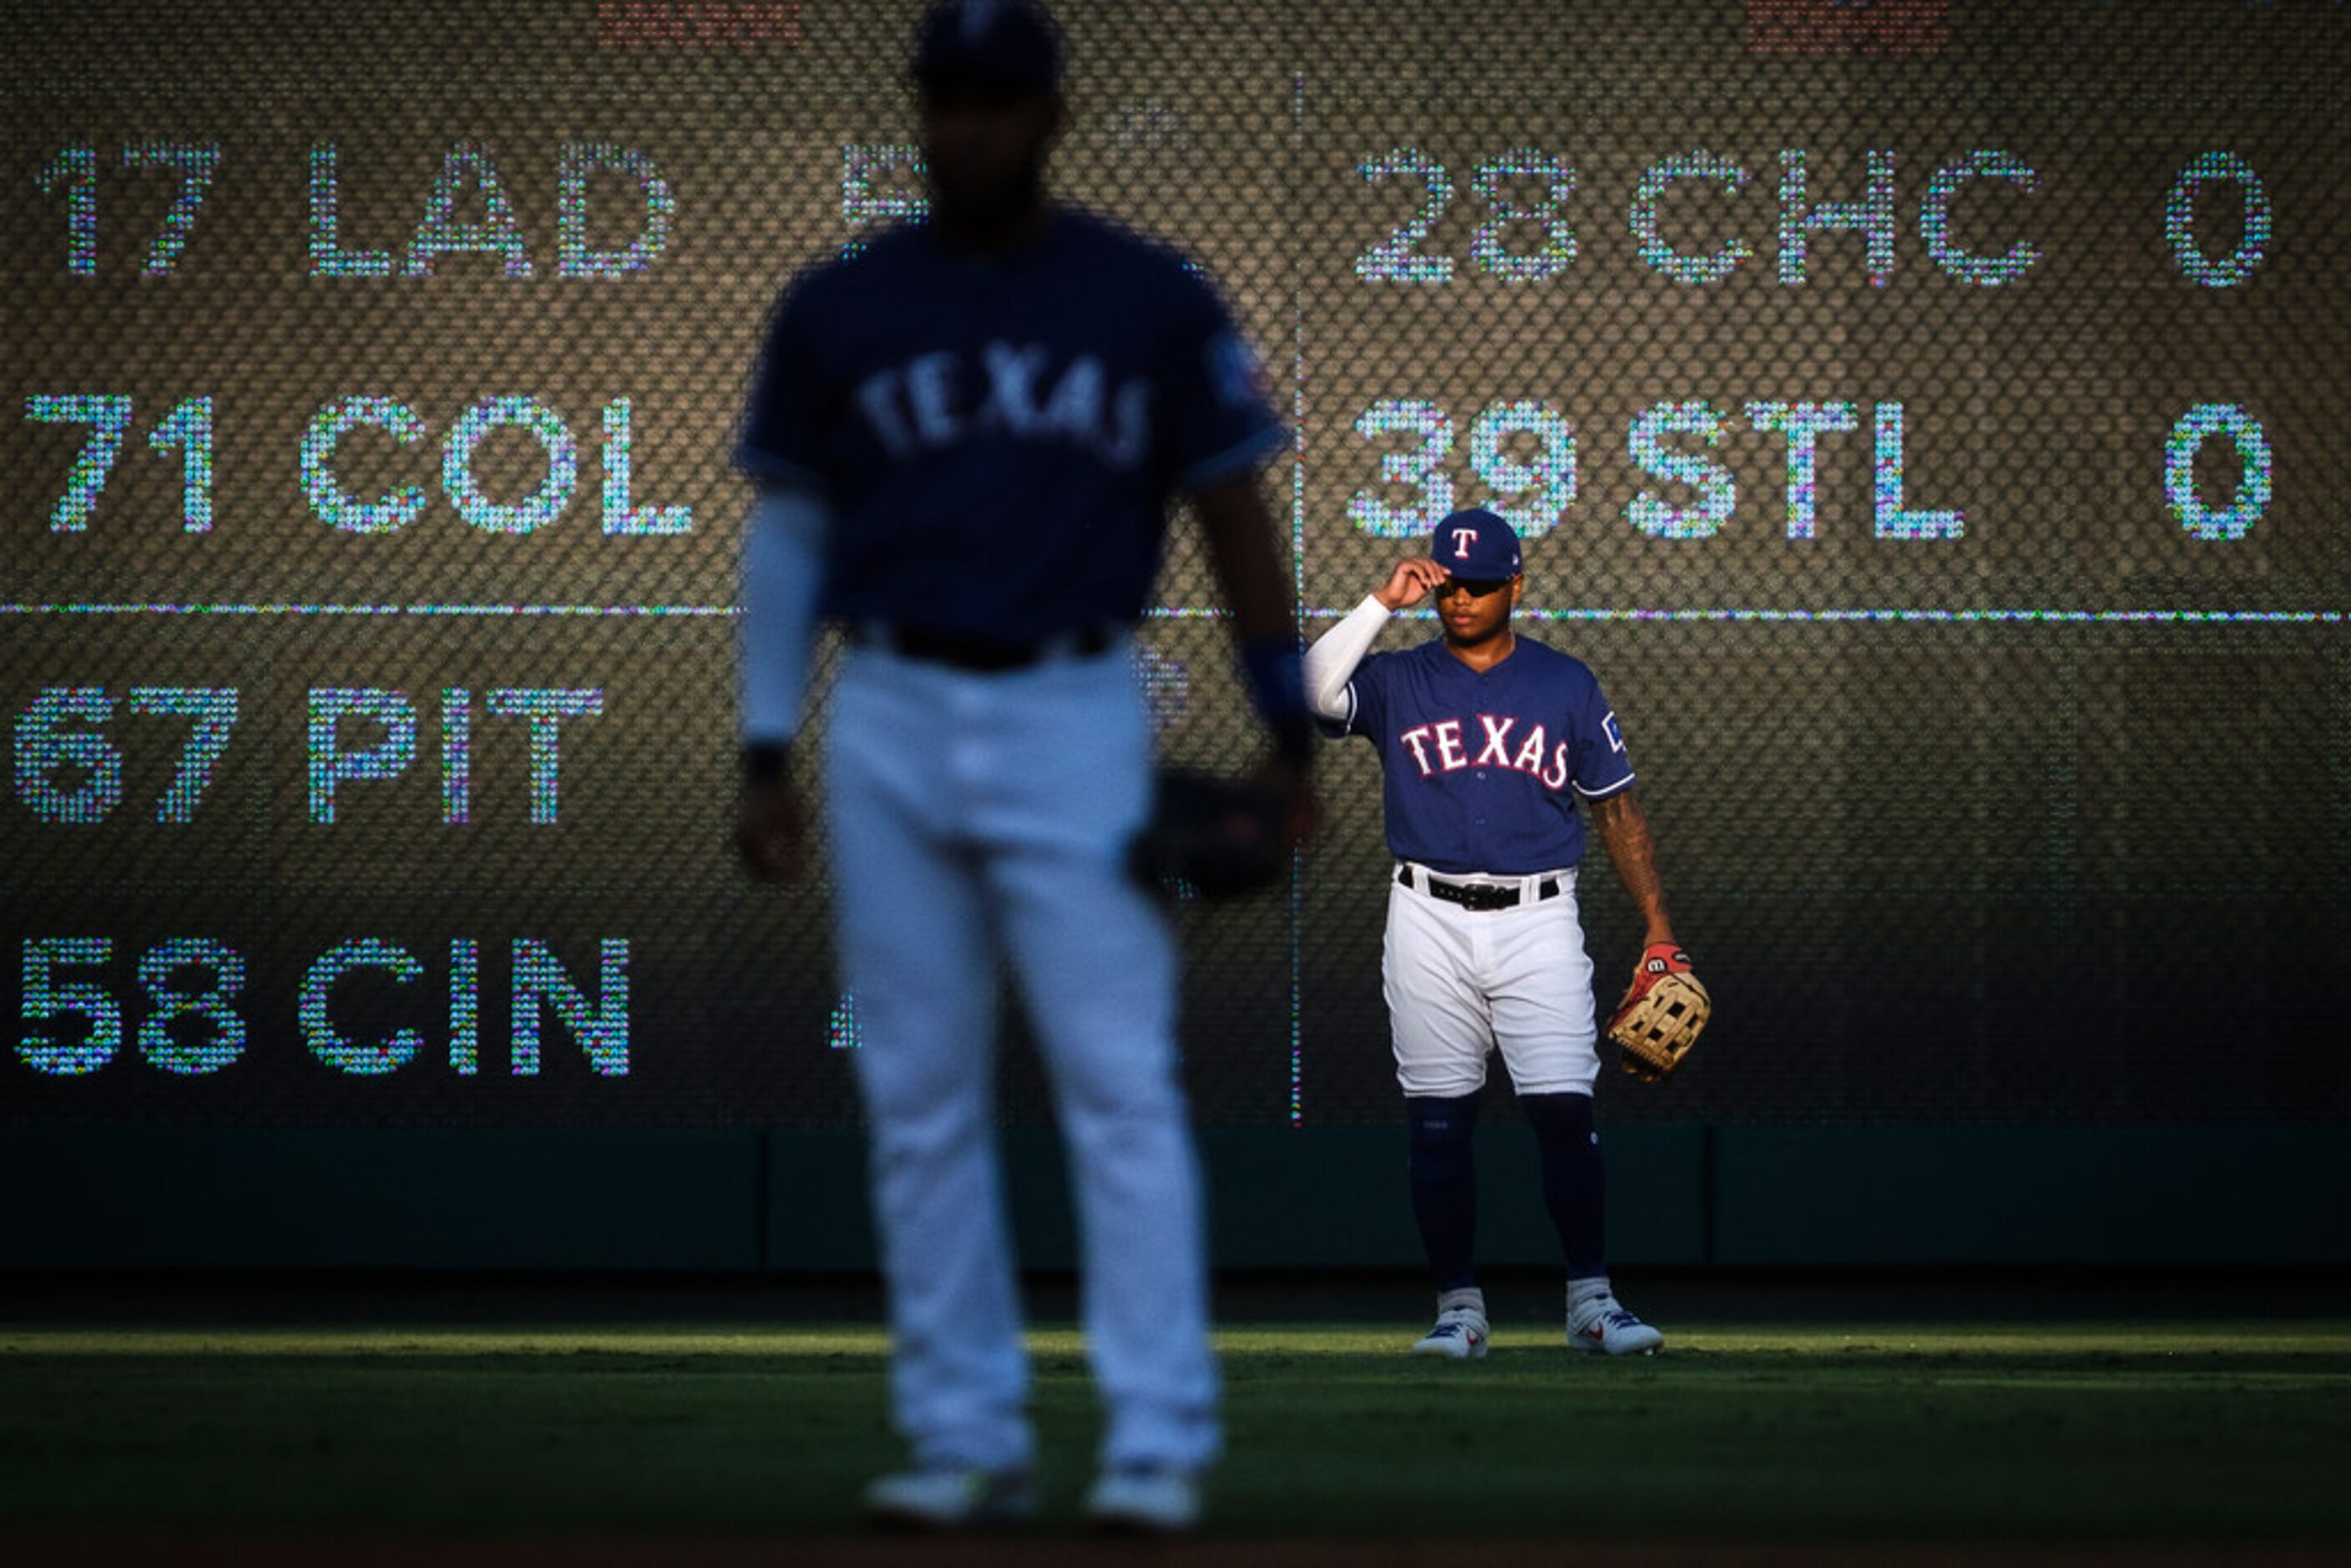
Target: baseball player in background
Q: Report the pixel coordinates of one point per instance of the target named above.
(1488, 740)
(965, 437)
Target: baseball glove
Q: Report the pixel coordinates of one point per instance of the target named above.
(1661, 1015)
(1210, 837)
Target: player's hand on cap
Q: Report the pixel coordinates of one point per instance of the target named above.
(771, 830)
(1414, 579)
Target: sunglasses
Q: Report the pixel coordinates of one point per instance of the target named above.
(1475, 587)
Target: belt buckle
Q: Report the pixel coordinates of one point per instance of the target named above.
(1478, 897)
(1485, 899)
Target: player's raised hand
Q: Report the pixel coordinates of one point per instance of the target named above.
(771, 831)
(1414, 579)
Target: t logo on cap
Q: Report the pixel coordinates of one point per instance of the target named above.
(1477, 544)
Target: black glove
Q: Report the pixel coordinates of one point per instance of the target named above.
(1210, 837)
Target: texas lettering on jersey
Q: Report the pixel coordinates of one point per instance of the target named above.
(938, 399)
(1482, 770)
(998, 438)
(1438, 748)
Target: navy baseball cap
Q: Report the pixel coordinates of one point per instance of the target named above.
(1477, 544)
(1011, 43)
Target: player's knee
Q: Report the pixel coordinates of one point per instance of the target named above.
(1107, 1115)
(1559, 1121)
(1448, 1078)
(1441, 1130)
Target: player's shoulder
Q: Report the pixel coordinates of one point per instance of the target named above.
(1426, 652)
(1555, 664)
(1426, 666)
(1109, 235)
(877, 260)
(1112, 243)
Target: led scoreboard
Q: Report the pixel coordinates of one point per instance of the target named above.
(1925, 418)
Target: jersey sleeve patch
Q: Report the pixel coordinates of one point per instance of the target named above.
(1220, 421)
(1601, 765)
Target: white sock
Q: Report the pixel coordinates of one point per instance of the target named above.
(1588, 1289)
(1468, 1296)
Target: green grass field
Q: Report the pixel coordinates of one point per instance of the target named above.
(1888, 1433)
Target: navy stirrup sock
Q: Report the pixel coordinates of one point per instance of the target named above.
(1574, 1180)
(1445, 1185)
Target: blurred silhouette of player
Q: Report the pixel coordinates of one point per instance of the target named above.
(965, 437)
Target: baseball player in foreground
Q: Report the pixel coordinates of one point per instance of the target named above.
(1488, 740)
(965, 437)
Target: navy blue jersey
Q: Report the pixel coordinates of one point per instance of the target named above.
(998, 435)
(1481, 770)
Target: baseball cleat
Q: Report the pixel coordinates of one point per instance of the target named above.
(950, 1499)
(1144, 1499)
(1461, 1334)
(1602, 1327)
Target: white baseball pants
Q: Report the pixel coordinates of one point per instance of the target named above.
(978, 814)
(1461, 983)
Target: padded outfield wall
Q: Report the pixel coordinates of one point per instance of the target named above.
(1924, 417)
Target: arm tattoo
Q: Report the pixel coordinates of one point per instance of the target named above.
(1624, 829)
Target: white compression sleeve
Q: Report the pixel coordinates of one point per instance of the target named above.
(775, 624)
(1331, 662)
